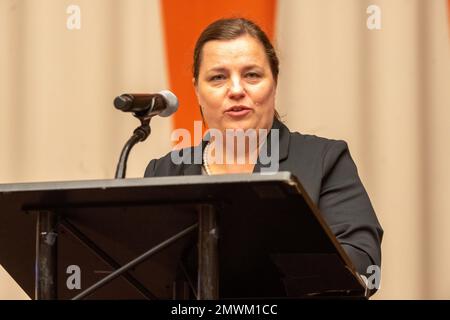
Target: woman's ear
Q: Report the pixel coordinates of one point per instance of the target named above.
(194, 83)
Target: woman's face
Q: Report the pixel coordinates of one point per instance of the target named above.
(235, 86)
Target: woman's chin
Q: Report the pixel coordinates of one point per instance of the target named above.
(243, 124)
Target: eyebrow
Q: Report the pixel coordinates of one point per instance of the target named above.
(217, 69)
(223, 69)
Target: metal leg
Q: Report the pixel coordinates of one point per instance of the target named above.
(46, 234)
(135, 262)
(208, 264)
(106, 258)
(180, 290)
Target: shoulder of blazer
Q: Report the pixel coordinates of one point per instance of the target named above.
(315, 143)
(312, 150)
(173, 163)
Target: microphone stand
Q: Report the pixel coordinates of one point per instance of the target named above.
(139, 134)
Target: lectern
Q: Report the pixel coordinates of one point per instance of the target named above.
(195, 237)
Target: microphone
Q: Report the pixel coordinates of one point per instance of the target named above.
(163, 103)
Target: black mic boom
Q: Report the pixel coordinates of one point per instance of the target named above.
(163, 103)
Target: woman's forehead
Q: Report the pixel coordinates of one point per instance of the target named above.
(242, 50)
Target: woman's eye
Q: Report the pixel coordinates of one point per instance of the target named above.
(252, 75)
(217, 77)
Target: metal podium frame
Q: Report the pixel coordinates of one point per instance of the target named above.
(208, 283)
(207, 226)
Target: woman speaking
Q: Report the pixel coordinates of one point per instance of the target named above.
(235, 72)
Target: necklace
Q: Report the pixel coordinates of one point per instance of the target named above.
(205, 160)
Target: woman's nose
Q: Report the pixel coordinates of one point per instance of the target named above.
(236, 89)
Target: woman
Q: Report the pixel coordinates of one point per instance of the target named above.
(235, 76)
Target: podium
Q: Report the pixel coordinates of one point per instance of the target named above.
(186, 237)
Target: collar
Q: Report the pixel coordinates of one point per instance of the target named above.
(195, 168)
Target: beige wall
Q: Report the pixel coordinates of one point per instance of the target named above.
(57, 120)
(385, 92)
(57, 87)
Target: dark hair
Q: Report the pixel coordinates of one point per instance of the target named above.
(230, 29)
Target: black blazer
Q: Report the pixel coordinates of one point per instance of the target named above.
(327, 172)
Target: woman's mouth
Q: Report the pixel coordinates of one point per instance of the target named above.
(238, 111)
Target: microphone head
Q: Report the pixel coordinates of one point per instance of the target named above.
(123, 102)
(172, 103)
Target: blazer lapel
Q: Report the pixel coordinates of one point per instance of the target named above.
(283, 145)
(195, 166)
